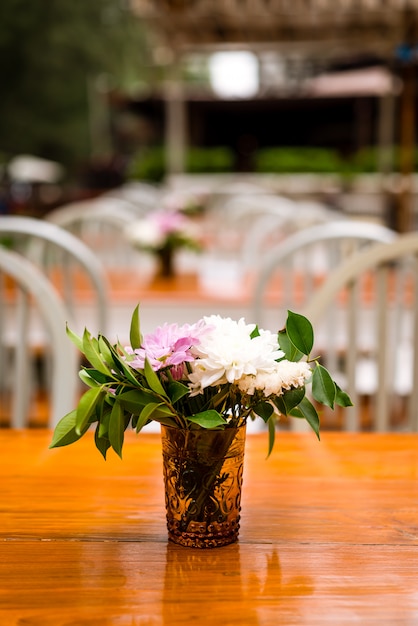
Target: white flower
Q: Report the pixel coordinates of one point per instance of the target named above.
(286, 375)
(146, 233)
(227, 352)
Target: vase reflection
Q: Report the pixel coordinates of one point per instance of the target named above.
(240, 584)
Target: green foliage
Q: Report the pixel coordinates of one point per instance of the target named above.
(297, 339)
(135, 332)
(298, 160)
(323, 387)
(306, 410)
(300, 333)
(150, 165)
(49, 53)
(209, 160)
(305, 159)
(289, 400)
(208, 419)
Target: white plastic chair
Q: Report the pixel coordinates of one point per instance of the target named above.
(270, 229)
(371, 302)
(101, 223)
(29, 302)
(141, 197)
(65, 259)
(228, 225)
(290, 272)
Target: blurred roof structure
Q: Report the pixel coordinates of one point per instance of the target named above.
(375, 25)
(314, 38)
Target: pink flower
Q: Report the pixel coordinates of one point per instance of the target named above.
(168, 345)
(170, 222)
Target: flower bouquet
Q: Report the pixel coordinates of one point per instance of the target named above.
(162, 233)
(202, 383)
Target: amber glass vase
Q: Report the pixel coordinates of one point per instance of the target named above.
(203, 479)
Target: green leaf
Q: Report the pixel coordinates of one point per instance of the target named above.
(323, 387)
(103, 426)
(135, 400)
(255, 333)
(95, 377)
(264, 410)
(153, 380)
(120, 363)
(149, 409)
(135, 332)
(300, 332)
(126, 369)
(158, 412)
(272, 433)
(177, 390)
(88, 380)
(86, 407)
(112, 355)
(290, 351)
(117, 428)
(207, 419)
(342, 398)
(102, 443)
(164, 419)
(289, 400)
(307, 411)
(77, 341)
(104, 350)
(65, 431)
(92, 353)
(141, 422)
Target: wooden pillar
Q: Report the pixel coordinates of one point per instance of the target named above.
(385, 155)
(407, 117)
(386, 133)
(175, 126)
(407, 147)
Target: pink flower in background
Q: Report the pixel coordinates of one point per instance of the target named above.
(170, 222)
(160, 229)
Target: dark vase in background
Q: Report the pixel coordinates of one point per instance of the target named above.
(166, 262)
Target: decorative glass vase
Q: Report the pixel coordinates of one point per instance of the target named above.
(203, 478)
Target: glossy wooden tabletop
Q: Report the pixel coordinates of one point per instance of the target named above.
(329, 535)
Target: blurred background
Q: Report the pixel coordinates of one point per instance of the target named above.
(209, 156)
(96, 94)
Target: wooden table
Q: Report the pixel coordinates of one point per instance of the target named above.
(329, 535)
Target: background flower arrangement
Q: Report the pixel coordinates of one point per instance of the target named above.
(215, 374)
(162, 233)
(164, 229)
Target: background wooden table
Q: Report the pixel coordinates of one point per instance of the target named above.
(329, 535)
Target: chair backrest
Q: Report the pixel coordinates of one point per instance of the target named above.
(270, 229)
(228, 224)
(366, 318)
(31, 309)
(101, 223)
(140, 196)
(68, 262)
(290, 272)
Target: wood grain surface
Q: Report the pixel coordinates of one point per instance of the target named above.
(329, 535)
